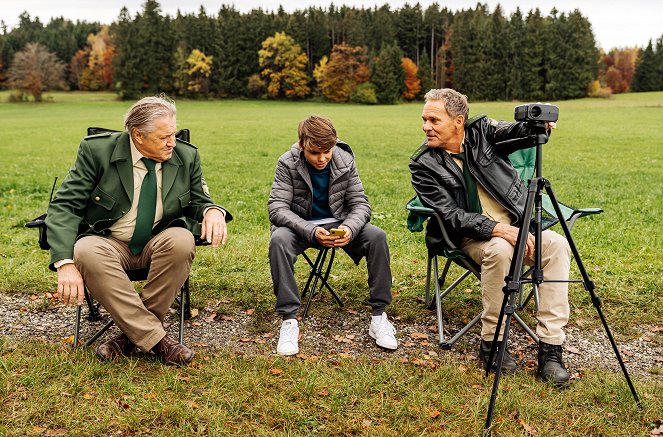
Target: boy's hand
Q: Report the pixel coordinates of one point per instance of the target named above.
(327, 240)
(342, 241)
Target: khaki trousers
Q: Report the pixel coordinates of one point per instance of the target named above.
(103, 263)
(494, 257)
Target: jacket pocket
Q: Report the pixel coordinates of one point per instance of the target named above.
(487, 157)
(515, 190)
(103, 199)
(450, 181)
(185, 199)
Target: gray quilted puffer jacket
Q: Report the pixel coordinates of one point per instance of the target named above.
(290, 200)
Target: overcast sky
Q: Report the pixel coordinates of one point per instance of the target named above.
(622, 23)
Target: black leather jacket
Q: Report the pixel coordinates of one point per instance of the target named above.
(439, 182)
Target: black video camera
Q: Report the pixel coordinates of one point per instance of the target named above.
(537, 112)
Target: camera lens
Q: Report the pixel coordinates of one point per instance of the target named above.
(535, 112)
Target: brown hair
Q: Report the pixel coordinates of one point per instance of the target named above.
(317, 131)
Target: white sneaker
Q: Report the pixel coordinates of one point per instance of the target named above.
(288, 338)
(383, 332)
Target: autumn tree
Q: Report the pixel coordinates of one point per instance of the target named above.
(620, 68)
(412, 82)
(283, 64)
(200, 69)
(339, 76)
(35, 70)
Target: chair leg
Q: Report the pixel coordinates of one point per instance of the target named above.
(315, 275)
(93, 314)
(185, 308)
(100, 332)
(438, 300)
(325, 283)
(77, 327)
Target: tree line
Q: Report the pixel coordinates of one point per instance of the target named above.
(366, 55)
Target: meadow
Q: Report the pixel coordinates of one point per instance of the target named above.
(604, 153)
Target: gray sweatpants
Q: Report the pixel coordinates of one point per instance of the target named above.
(285, 246)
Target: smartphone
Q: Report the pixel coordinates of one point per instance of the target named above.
(337, 232)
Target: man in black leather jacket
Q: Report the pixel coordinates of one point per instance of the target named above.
(482, 209)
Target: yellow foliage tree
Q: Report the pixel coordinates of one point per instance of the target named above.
(283, 65)
(199, 71)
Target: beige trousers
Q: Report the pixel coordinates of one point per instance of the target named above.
(103, 262)
(495, 255)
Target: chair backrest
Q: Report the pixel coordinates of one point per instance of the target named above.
(40, 222)
(524, 161)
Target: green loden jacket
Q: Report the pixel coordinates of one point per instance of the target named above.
(99, 190)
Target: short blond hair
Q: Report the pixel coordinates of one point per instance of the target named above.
(146, 111)
(317, 131)
(454, 102)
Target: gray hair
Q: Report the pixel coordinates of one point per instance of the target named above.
(146, 111)
(454, 102)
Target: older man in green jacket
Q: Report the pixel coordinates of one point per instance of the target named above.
(133, 199)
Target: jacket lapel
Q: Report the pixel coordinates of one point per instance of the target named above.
(168, 173)
(122, 159)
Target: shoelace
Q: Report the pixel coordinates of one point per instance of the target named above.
(554, 354)
(385, 326)
(288, 330)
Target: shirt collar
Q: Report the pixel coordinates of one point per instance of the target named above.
(136, 156)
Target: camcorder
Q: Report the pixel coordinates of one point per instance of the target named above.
(536, 112)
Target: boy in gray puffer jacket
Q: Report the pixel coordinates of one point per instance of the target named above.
(316, 188)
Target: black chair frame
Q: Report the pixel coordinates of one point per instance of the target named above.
(94, 314)
(318, 277)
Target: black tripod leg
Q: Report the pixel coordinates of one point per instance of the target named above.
(508, 310)
(513, 283)
(589, 286)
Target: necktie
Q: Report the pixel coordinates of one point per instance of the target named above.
(473, 203)
(147, 205)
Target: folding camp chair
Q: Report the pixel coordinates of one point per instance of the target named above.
(317, 278)
(94, 314)
(523, 160)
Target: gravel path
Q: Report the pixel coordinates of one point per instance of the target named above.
(341, 333)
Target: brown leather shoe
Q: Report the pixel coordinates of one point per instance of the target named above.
(172, 352)
(115, 348)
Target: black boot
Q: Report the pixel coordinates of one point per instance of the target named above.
(551, 367)
(508, 363)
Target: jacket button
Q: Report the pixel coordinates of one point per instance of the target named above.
(97, 199)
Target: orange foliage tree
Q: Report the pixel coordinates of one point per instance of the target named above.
(619, 67)
(339, 76)
(412, 81)
(90, 68)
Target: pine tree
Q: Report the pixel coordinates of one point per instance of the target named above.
(388, 76)
(645, 78)
(515, 61)
(534, 68)
(425, 75)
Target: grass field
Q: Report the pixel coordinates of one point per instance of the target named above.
(604, 153)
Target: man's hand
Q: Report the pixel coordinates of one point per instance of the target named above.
(327, 240)
(510, 234)
(214, 228)
(70, 284)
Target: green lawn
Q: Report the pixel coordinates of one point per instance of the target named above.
(604, 153)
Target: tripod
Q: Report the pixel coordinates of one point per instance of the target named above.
(515, 279)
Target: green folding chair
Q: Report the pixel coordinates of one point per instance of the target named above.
(418, 214)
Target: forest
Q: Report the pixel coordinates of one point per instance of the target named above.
(338, 54)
